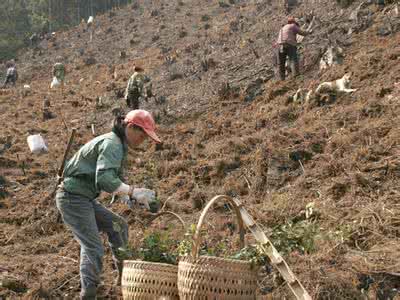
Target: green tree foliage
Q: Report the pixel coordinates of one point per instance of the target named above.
(13, 26)
(19, 19)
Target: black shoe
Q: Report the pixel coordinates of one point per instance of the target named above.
(88, 293)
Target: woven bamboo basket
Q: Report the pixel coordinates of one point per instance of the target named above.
(212, 278)
(143, 280)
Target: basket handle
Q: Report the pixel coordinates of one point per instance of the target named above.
(197, 238)
(170, 213)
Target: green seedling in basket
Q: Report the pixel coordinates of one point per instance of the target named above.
(185, 246)
(251, 253)
(158, 247)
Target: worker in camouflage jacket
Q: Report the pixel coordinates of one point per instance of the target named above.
(59, 72)
(12, 74)
(136, 88)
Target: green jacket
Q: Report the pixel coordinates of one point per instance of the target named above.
(96, 167)
(59, 71)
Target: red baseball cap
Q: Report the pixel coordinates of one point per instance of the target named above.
(144, 120)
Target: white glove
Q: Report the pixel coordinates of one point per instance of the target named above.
(144, 197)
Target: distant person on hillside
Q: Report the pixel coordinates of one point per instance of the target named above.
(45, 28)
(290, 5)
(59, 72)
(287, 47)
(11, 75)
(90, 27)
(135, 88)
(34, 40)
(380, 4)
(95, 168)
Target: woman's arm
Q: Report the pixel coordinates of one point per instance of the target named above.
(108, 163)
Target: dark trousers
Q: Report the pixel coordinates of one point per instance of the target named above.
(10, 79)
(132, 100)
(289, 51)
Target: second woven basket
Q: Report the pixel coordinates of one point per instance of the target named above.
(213, 278)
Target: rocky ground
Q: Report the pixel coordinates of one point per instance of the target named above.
(228, 128)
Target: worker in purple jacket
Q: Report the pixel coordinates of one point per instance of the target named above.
(287, 47)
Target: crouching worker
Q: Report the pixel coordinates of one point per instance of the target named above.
(59, 72)
(135, 88)
(93, 169)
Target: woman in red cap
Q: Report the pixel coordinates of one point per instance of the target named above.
(93, 169)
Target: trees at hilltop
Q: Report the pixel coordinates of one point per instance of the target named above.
(20, 18)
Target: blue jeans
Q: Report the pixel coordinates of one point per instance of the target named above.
(87, 218)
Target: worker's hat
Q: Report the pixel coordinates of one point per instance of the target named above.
(144, 120)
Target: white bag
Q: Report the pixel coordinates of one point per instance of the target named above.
(90, 20)
(36, 144)
(55, 82)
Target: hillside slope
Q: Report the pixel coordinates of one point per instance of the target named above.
(249, 141)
